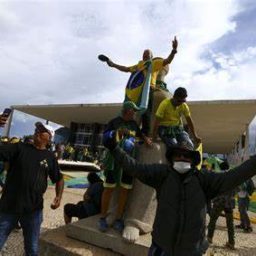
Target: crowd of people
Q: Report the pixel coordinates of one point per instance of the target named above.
(75, 153)
(63, 151)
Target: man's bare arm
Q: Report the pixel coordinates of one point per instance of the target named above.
(119, 67)
(59, 187)
(169, 59)
(192, 129)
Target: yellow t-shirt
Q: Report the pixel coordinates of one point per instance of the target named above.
(157, 65)
(168, 115)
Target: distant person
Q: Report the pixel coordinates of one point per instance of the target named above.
(168, 123)
(245, 191)
(226, 203)
(91, 201)
(69, 153)
(156, 65)
(14, 140)
(4, 139)
(127, 130)
(182, 193)
(29, 140)
(59, 151)
(26, 183)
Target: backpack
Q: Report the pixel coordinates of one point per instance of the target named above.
(250, 187)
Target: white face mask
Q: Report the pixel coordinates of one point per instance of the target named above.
(182, 167)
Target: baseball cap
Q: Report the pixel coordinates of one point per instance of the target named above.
(130, 105)
(45, 128)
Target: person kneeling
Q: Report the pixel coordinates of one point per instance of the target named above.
(91, 202)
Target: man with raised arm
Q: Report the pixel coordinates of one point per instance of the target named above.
(156, 64)
(26, 182)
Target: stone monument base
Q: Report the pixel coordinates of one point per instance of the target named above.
(86, 230)
(55, 243)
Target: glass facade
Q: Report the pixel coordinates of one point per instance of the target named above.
(88, 135)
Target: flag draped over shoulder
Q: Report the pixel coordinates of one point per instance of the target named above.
(138, 86)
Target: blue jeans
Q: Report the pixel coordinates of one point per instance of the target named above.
(173, 136)
(30, 224)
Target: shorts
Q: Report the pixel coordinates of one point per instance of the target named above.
(117, 177)
(114, 174)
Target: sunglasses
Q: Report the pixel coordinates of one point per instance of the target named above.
(41, 130)
(181, 100)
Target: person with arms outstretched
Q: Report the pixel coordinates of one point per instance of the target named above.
(182, 193)
(153, 65)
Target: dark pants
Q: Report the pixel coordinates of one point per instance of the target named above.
(155, 250)
(30, 224)
(146, 116)
(243, 206)
(81, 210)
(215, 213)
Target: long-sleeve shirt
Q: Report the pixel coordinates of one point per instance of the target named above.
(179, 226)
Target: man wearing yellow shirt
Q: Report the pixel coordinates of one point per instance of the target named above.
(156, 65)
(168, 122)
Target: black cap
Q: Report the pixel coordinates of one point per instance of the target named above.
(184, 150)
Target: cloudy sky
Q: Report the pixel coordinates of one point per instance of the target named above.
(48, 49)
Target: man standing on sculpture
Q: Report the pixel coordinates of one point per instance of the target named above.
(26, 182)
(156, 65)
(127, 130)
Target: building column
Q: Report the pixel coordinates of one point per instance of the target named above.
(7, 127)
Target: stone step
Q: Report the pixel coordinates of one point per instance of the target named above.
(86, 230)
(55, 243)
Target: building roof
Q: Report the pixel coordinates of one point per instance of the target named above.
(218, 123)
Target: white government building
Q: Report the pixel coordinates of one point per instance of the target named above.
(223, 125)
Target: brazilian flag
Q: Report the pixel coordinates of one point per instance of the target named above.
(138, 86)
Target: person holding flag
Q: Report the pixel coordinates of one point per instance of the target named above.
(142, 82)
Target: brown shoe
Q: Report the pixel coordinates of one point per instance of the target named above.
(230, 246)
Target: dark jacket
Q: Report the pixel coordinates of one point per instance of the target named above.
(179, 226)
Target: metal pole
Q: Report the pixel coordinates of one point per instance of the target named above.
(7, 128)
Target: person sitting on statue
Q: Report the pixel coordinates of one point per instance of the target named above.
(182, 193)
(168, 123)
(127, 130)
(156, 65)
